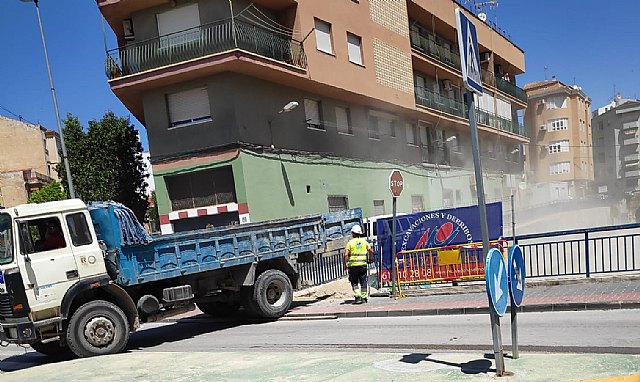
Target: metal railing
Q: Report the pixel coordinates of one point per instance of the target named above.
(426, 42)
(428, 98)
(511, 89)
(326, 267)
(202, 41)
(585, 252)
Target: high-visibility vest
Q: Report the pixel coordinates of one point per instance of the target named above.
(358, 251)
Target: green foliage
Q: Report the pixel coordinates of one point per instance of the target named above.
(106, 162)
(49, 193)
(152, 213)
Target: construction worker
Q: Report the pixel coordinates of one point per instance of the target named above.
(356, 254)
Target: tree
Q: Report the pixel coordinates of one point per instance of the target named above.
(152, 213)
(106, 161)
(49, 193)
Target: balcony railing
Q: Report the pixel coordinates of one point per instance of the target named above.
(428, 98)
(202, 41)
(427, 43)
(511, 89)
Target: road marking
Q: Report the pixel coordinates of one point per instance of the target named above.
(625, 378)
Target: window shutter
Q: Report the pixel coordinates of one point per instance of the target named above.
(342, 120)
(323, 36)
(355, 51)
(178, 20)
(189, 106)
(312, 112)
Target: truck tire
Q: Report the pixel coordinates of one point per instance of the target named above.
(50, 348)
(218, 309)
(97, 328)
(272, 294)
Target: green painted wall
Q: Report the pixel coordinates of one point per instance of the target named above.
(276, 186)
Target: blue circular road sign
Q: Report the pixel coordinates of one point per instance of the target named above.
(516, 275)
(496, 281)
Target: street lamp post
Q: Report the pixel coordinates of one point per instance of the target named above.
(72, 193)
(285, 109)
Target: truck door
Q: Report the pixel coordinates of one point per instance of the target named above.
(84, 245)
(48, 265)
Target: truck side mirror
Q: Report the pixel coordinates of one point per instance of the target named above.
(26, 246)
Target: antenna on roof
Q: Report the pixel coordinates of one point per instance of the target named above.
(545, 72)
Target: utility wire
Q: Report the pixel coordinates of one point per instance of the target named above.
(20, 118)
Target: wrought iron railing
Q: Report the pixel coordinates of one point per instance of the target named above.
(429, 44)
(202, 41)
(582, 251)
(511, 89)
(428, 98)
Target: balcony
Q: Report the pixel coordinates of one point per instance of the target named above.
(511, 89)
(428, 98)
(426, 42)
(631, 141)
(432, 100)
(203, 41)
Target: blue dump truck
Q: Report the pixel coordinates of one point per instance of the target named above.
(80, 278)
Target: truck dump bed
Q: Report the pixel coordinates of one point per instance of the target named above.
(138, 258)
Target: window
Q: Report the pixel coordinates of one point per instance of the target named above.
(6, 242)
(179, 26)
(41, 235)
(417, 203)
(312, 112)
(337, 203)
(373, 128)
(343, 120)
(323, 36)
(503, 108)
(455, 143)
(79, 230)
(378, 207)
(556, 102)
(558, 124)
(560, 168)
(188, 107)
(201, 188)
(354, 43)
(422, 129)
(412, 133)
(559, 147)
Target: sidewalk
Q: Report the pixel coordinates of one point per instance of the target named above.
(596, 293)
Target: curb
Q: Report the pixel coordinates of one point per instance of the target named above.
(560, 307)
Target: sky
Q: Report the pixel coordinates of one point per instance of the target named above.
(593, 44)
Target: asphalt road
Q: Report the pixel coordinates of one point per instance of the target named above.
(583, 331)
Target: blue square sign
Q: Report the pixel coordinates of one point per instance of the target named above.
(469, 54)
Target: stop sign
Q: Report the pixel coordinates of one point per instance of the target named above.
(396, 183)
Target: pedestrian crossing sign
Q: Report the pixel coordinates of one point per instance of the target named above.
(469, 54)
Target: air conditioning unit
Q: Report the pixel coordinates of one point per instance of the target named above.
(446, 84)
(543, 127)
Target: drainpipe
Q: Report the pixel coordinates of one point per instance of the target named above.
(233, 24)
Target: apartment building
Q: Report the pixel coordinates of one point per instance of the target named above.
(616, 151)
(560, 159)
(377, 86)
(28, 160)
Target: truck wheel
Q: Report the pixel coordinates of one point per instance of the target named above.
(50, 348)
(218, 309)
(96, 328)
(272, 293)
(249, 304)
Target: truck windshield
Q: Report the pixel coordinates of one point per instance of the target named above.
(6, 246)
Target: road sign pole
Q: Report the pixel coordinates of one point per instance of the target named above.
(513, 221)
(394, 267)
(514, 333)
(475, 151)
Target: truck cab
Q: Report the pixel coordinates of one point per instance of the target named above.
(49, 252)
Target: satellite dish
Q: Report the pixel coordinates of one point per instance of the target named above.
(482, 16)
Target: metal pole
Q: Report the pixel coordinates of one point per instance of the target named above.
(514, 333)
(72, 193)
(513, 221)
(233, 24)
(475, 150)
(394, 268)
